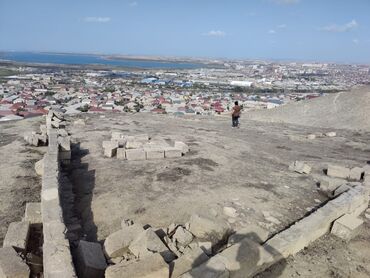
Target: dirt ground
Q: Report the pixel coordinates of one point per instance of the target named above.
(19, 183)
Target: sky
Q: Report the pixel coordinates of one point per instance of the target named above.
(304, 30)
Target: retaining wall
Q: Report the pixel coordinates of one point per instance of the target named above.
(56, 248)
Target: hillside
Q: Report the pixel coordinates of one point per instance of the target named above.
(344, 110)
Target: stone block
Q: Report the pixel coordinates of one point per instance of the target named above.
(152, 154)
(147, 243)
(188, 261)
(152, 266)
(135, 154)
(182, 146)
(116, 244)
(356, 173)
(132, 144)
(17, 235)
(33, 213)
(11, 265)
(252, 232)
(338, 171)
(90, 260)
(347, 227)
(211, 229)
(213, 268)
(329, 184)
(300, 167)
(172, 152)
(121, 153)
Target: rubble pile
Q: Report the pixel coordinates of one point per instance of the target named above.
(142, 147)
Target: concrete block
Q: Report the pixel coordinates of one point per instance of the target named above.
(11, 265)
(152, 266)
(135, 154)
(152, 154)
(347, 227)
(172, 152)
(147, 243)
(182, 146)
(17, 235)
(188, 261)
(133, 144)
(338, 171)
(356, 173)
(213, 268)
(110, 150)
(90, 260)
(33, 213)
(121, 153)
(116, 244)
(57, 260)
(300, 167)
(252, 232)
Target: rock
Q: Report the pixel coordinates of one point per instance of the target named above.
(90, 261)
(347, 227)
(338, 171)
(300, 167)
(33, 213)
(252, 232)
(11, 265)
(39, 167)
(152, 266)
(213, 268)
(330, 134)
(117, 244)
(356, 173)
(182, 236)
(188, 261)
(230, 212)
(147, 243)
(214, 229)
(17, 235)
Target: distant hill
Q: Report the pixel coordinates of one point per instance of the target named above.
(344, 110)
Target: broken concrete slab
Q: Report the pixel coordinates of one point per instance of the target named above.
(11, 264)
(33, 213)
(17, 235)
(152, 266)
(135, 154)
(90, 261)
(300, 167)
(116, 244)
(188, 261)
(338, 171)
(147, 243)
(347, 227)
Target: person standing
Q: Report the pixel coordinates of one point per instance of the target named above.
(236, 114)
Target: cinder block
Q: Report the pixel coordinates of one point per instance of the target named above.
(121, 153)
(135, 154)
(172, 152)
(33, 213)
(347, 227)
(17, 235)
(153, 153)
(11, 265)
(338, 171)
(90, 260)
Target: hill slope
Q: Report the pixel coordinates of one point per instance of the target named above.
(347, 110)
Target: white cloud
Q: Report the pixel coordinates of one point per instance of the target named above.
(215, 33)
(97, 19)
(272, 31)
(286, 2)
(133, 4)
(335, 28)
(281, 26)
(356, 41)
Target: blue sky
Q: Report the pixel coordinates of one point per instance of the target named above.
(319, 30)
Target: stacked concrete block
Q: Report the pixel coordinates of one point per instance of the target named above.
(17, 235)
(356, 173)
(121, 153)
(300, 167)
(336, 171)
(90, 260)
(135, 154)
(347, 227)
(154, 153)
(172, 152)
(11, 264)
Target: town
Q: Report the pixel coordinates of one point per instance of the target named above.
(28, 90)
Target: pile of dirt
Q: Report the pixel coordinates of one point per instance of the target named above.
(344, 110)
